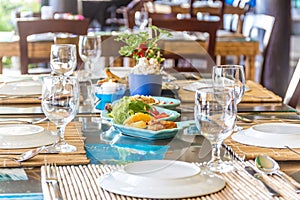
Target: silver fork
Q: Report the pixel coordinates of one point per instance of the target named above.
(51, 178)
(293, 150)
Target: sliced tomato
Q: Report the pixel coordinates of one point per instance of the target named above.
(161, 115)
(154, 112)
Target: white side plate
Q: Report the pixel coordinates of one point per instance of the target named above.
(161, 179)
(270, 135)
(19, 129)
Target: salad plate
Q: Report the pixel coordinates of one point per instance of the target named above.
(166, 102)
(282, 135)
(172, 114)
(149, 134)
(161, 179)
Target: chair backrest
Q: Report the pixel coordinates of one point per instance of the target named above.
(129, 12)
(233, 18)
(259, 27)
(38, 26)
(292, 95)
(192, 25)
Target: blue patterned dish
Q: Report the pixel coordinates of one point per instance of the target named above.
(148, 134)
(173, 115)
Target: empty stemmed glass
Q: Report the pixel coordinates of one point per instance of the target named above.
(60, 101)
(63, 59)
(141, 19)
(215, 115)
(230, 76)
(89, 51)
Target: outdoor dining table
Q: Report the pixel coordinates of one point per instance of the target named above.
(98, 154)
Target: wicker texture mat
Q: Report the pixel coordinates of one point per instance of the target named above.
(248, 152)
(81, 182)
(73, 135)
(257, 94)
(22, 100)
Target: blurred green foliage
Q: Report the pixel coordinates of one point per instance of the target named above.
(8, 8)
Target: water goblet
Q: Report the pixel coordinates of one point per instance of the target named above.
(141, 19)
(89, 47)
(60, 101)
(230, 76)
(63, 59)
(215, 115)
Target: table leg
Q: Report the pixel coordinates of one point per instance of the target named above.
(1, 65)
(250, 67)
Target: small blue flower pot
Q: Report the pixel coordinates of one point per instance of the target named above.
(140, 84)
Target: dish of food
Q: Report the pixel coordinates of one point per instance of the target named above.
(158, 101)
(171, 115)
(149, 134)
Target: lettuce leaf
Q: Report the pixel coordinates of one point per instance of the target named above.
(126, 107)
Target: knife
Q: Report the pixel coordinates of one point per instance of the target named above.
(256, 175)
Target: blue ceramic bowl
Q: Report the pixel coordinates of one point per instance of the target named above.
(106, 96)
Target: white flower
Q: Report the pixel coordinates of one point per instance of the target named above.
(146, 67)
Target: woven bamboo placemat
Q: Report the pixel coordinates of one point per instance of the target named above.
(257, 93)
(73, 135)
(81, 182)
(248, 152)
(21, 100)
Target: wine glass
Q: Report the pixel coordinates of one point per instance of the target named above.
(230, 76)
(215, 115)
(63, 59)
(60, 101)
(141, 19)
(89, 51)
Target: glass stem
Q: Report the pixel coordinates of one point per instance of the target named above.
(216, 153)
(61, 135)
(89, 67)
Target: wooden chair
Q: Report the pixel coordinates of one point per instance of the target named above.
(129, 12)
(190, 25)
(261, 27)
(37, 26)
(292, 95)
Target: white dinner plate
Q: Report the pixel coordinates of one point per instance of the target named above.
(203, 83)
(41, 138)
(19, 129)
(25, 87)
(162, 179)
(270, 135)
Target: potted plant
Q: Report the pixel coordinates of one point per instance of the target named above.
(145, 77)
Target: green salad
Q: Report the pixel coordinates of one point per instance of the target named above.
(126, 107)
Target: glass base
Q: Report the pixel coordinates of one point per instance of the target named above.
(63, 148)
(220, 167)
(237, 128)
